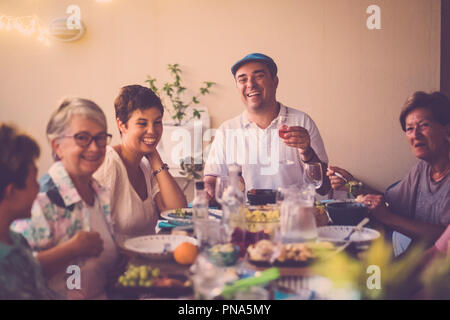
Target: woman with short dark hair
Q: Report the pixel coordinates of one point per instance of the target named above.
(141, 185)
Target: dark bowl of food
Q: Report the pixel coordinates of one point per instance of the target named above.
(223, 255)
(261, 196)
(347, 213)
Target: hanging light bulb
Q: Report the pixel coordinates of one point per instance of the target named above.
(26, 25)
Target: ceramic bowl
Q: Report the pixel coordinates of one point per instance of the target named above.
(346, 213)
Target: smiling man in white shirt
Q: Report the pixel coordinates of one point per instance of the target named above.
(252, 139)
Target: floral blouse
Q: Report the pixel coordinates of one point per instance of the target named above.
(58, 211)
(20, 274)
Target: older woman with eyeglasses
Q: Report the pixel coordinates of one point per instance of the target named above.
(70, 224)
(419, 205)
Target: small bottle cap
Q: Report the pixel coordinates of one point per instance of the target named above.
(200, 185)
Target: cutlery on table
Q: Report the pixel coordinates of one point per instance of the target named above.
(340, 176)
(347, 238)
(357, 228)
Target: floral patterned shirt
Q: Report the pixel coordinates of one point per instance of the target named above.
(20, 273)
(58, 211)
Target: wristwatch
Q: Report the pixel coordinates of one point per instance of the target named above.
(163, 167)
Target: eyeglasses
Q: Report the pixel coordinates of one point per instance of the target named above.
(84, 139)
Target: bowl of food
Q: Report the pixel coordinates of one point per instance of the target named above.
(261, 222)
(265, 253)
(264, 218)
(223, 254)
(139, 280)
(261, 196)
(347, 213)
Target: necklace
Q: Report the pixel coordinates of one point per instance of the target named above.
(436, 176)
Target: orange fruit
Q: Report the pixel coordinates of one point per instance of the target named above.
(185, 253)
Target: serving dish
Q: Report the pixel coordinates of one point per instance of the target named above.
(168, 286)
(261, 196)
(336, 234)
(183, 216)
(156, 247)
(266, 253)
(347, 213)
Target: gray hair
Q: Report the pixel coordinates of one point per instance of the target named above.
(69, 107)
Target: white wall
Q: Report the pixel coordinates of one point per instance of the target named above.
(352, 81)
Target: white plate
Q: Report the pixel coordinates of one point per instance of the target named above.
(183, 221)
(153, 246)
(338, 233)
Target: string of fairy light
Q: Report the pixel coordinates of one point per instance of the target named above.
(29, 25)
(26, 25)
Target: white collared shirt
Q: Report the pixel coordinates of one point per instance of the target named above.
(258, 151)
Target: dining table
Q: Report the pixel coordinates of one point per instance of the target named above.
(294, 282)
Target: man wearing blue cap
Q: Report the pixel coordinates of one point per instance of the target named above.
(252, 139)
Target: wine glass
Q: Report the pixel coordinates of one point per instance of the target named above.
(208, 279)
(313, 174)
(284, 192)
(284, 124)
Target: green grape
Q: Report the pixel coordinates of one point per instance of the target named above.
(143, 273)
(138, 276)
(155, 272)
(148, 283)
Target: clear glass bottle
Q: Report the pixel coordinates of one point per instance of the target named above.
(233, 219)
(200, 214)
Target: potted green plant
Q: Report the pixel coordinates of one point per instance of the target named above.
(191, 170)
(174, 91)
(182, 138)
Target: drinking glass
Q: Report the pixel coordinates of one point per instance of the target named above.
(252, 293)
(233, 222)
(298, 223)
(284, 124)
(313, 174)
(210, 232)
(207, 278)
(284, 192)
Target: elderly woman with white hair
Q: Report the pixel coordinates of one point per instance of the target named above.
(70, 224)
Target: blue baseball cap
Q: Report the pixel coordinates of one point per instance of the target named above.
(256, 57)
